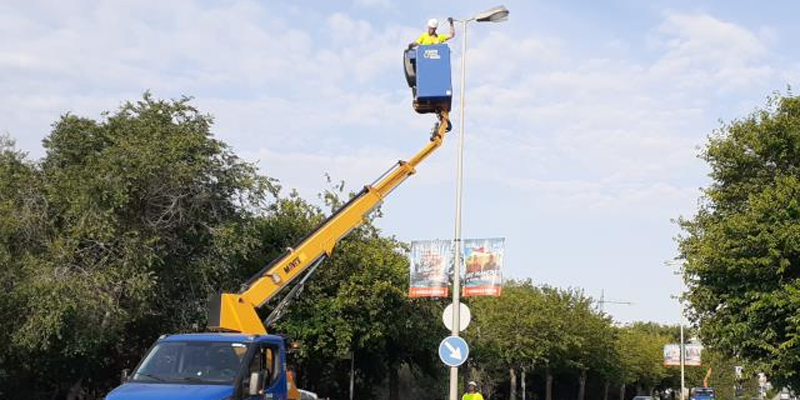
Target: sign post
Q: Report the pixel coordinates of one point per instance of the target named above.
(465, 317)
(683, 359)
(456, 280)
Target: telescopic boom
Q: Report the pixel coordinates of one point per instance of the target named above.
(236, 312)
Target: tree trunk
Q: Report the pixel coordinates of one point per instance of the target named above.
(622, 392)
(394, 383)
(523, 385)
(605, 390)
(582, 385)
(548, 385)
(513, 389)
(74, 392)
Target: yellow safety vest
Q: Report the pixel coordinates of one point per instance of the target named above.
(426, 39)
(472, 396)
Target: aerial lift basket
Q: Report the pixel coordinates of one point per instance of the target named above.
(427, 70)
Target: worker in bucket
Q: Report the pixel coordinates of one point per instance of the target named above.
(431, 37)
(472, 392)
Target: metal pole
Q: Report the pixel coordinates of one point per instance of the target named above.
(602, 300)
(352, 373)
(683, 357)
(457, 240)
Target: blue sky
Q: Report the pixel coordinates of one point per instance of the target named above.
(583, 118)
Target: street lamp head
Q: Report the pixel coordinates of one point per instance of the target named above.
(495, 14)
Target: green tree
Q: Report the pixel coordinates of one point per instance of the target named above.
(741, 250)
(511, 332)
(19, 221)
(594, 349)
(641, 357)
(540, 330)
(127, 225)
(357, 305)
(116, 236)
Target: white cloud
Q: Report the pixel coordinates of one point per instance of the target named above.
(607, 127)
(534, 104)
(305, 170)
(604, 132)
(709, 52)
(241, 56)
(702, 35)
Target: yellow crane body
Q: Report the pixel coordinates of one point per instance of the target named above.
(236, 312)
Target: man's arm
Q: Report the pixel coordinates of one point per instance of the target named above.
(452, 27)
(416, 42)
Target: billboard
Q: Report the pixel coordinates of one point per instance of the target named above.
(692, 351)
(483, 259)
(672, 354)
(430, 261)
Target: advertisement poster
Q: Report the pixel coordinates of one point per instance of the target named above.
(430, 262)
(672, 354)
(484, 262)
(693, 351)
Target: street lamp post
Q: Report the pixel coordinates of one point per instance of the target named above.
(683, 356)
(496, 14)
(682, 347)
(679, 272)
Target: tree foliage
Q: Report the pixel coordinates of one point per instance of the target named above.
(542, 330)
(641, 356)
(356, 305)
(117, 235)
(128, 223)
(742, 248)
(124, 228)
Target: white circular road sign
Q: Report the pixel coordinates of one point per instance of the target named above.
(463, 319)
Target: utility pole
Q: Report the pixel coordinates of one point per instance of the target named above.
(679, 272)
(457, 238)
(496, 14)
(602, 302)
(683, 356)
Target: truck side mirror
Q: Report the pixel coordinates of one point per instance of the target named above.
(123, 377)
(256, 383)
(294, 347)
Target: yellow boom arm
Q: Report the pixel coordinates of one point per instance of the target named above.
(236, 312)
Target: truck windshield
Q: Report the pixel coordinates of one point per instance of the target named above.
(702, 392)
(192, 362)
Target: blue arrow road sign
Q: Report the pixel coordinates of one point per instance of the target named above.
(453, 351)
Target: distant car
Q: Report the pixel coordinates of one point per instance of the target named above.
(643, 398)
(306, 395)
(702, 393)
(785, 394)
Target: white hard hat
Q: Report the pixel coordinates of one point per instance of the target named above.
(472, 383)
(433, 23)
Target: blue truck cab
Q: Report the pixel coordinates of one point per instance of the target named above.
(428, 73)
(209, 366)
(702, 393)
